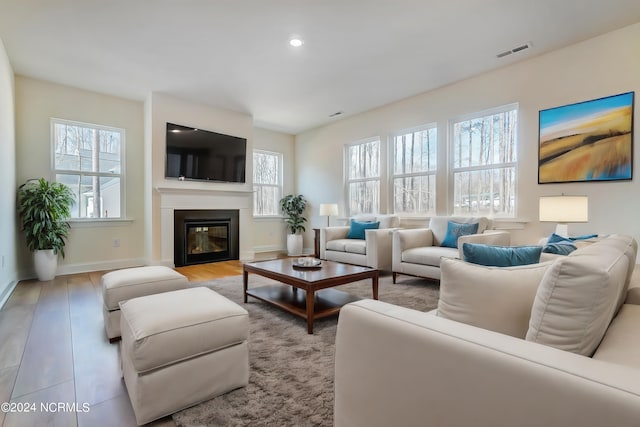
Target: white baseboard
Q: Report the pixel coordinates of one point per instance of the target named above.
(100, 266)
(268, 248)
(8, 289)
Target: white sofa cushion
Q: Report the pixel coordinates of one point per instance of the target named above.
(355, 246)
(494, 298)
(576, 299)
(428, 255)
(621, 344)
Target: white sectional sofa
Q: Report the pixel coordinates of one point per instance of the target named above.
(418, 251)
(551, 344)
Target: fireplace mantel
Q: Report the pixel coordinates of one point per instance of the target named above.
(202, 191)
(179, 197)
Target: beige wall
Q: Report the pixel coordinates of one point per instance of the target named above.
(270, 233)
(602, 66)
(8, 221)
(90, 246)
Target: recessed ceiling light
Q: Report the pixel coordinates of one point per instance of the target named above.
(296, 42)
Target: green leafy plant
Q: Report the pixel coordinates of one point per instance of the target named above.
(44, 208)
(293, 207)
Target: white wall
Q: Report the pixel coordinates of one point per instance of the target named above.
(270, 233)
(602, 66)
(90, 245)
(8, 216)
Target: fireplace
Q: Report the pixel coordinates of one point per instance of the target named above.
(202, 236)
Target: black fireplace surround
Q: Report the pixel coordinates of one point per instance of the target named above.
(202, 236)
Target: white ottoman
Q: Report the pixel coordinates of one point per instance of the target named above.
(121, 285)
(180, 348)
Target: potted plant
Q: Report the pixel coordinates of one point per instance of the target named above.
(293, 207)
(44, 208)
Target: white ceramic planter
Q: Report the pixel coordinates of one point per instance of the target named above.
(46, 264)
(294, 244)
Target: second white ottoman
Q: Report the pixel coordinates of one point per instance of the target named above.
(121, 285)
(180, 348)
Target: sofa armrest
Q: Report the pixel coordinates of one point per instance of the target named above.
(379, 247)
(489, 237)
(406, 239)
(633, 291)
(393, 363)
(331, 233)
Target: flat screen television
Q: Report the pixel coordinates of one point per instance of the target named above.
(198, 154)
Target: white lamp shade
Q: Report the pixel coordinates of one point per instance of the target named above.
(564, 209)
(328, 209)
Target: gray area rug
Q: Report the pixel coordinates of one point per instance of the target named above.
(291, 372)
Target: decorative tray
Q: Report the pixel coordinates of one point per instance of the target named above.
(307, 263)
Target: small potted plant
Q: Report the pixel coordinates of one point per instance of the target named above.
(44, 208)
(293, 207)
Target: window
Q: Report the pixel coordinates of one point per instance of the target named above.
(484, 163)
(363, 176)
(89, 159)
(414, 170)
(267, 183)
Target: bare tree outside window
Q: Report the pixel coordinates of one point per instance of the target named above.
(484, 164)
(88, 158)
(414, 170)
(267, 183)
(363, 176)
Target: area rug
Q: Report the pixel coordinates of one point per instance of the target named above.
(291, 372)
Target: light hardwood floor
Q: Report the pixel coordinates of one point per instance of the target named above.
(53, 349)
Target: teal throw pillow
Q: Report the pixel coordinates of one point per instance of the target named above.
(356, 231)
(457, 229)
(500, 256)
(559, 245)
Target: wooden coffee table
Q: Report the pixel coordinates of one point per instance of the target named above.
(317, 300)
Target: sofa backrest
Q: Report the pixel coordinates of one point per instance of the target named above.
(438, 225)
(579, 296)
(386, 221)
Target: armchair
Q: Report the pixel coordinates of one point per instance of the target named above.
(417, 251)
(374, 251)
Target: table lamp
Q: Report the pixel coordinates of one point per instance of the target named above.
(563, 210)
(328, 209)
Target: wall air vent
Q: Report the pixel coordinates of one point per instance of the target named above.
(514, 50)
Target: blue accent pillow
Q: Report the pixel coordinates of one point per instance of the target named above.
(585, 237)
(500, 256)
(560, 245)
(559, 248)
(356, 231)
(457, 229)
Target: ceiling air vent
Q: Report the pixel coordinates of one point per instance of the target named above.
(514, 50)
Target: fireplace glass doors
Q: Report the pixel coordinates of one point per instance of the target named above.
(205, 236)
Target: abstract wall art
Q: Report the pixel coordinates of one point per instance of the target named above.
(587, 141)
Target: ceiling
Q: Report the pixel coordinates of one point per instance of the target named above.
(234, 54)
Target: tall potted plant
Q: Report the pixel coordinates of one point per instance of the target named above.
(44, 208)
(293, 207)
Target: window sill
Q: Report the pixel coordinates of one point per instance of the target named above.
(99, 222)
(268, 218)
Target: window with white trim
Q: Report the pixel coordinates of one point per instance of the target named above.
(267, 183)
(414, 170)
(363, 176)
(89, 159)
(484, 163)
